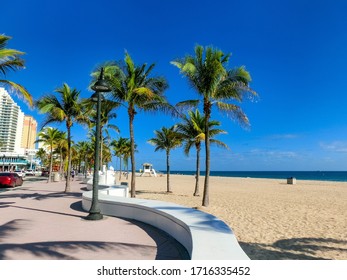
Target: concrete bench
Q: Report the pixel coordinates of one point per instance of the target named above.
(204, 236)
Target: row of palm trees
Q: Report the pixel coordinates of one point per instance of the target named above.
(134, 88)
(190, 133)
(55, 151)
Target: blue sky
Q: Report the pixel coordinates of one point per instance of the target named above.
(294, 50)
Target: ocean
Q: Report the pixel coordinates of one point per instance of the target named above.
(339, 176)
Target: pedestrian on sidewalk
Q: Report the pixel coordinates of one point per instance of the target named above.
(73, 174)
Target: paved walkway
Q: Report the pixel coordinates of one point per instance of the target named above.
(40, 221)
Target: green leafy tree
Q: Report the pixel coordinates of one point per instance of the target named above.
(207, 73)
(11, 60)
(193, 133)
(66, 108)
(167, 139)
(50, 138)
(135, 88)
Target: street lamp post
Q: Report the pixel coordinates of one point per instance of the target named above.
(99, 87)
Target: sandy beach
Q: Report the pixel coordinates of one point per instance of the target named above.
(271, 219)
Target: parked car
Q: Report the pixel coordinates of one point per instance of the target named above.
(45, 173)
(30, 172)
(20, 173)
(10, 179)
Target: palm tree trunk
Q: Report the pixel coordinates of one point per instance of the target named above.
(197, 176)
(207, 112)
(131, 113)
(120, 168)
(61, 164)
(67, 186)
(168, 188)
(50, 167)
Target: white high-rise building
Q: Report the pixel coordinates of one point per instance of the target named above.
(11, 123)
(12, 128)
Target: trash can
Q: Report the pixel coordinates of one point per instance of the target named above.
(56, 176)
(291, 181)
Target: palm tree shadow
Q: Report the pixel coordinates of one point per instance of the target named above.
(294, 249)
(161, 193)
(42, 196)
(69, 250)
(166, 247)
(150, 192)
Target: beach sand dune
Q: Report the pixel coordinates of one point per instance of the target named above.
(271, 219)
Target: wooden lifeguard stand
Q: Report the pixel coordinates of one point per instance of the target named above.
(148, 169)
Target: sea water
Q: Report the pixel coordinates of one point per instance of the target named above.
(339, 176)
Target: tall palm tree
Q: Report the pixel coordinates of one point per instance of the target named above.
(207, 74)
(134, 87)
(193, 133)
(50, 138)
(167, 139)
(10, 60)
(65, 109)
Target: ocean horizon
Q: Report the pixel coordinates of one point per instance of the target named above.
(339, 176)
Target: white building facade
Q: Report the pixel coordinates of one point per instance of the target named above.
(12, 155)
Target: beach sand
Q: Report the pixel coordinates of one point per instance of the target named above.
(271, 219)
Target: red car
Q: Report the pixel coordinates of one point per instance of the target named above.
(10, 179)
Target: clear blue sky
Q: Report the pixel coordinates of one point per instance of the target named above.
(295, 51)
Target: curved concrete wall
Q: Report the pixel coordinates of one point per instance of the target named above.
(203, 235)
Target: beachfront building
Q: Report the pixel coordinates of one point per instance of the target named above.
(17, 135)
(29, 133)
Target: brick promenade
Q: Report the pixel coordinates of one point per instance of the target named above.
(39, 221)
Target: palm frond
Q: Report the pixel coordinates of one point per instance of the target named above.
(19, 88)
(219, 143)
(234, 112)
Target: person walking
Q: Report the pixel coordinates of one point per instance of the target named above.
(73, 174)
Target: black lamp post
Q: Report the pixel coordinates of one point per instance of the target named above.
(99, 87)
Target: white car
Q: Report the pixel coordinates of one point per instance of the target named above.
(20, 173)
(30, 172)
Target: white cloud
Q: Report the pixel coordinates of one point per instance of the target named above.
(284, 136)
(335, 146)
(273, 153)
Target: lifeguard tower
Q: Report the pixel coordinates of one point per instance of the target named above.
(148, 169)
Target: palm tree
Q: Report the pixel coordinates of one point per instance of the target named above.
(10, 60)
(192, 131)
(42, 155)
(66, 109)
(121, 148)
(134, 88)
(167, 139)
(207, 74)
(50, 138)
(106, 114)
(61, 148)
(83, 149)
